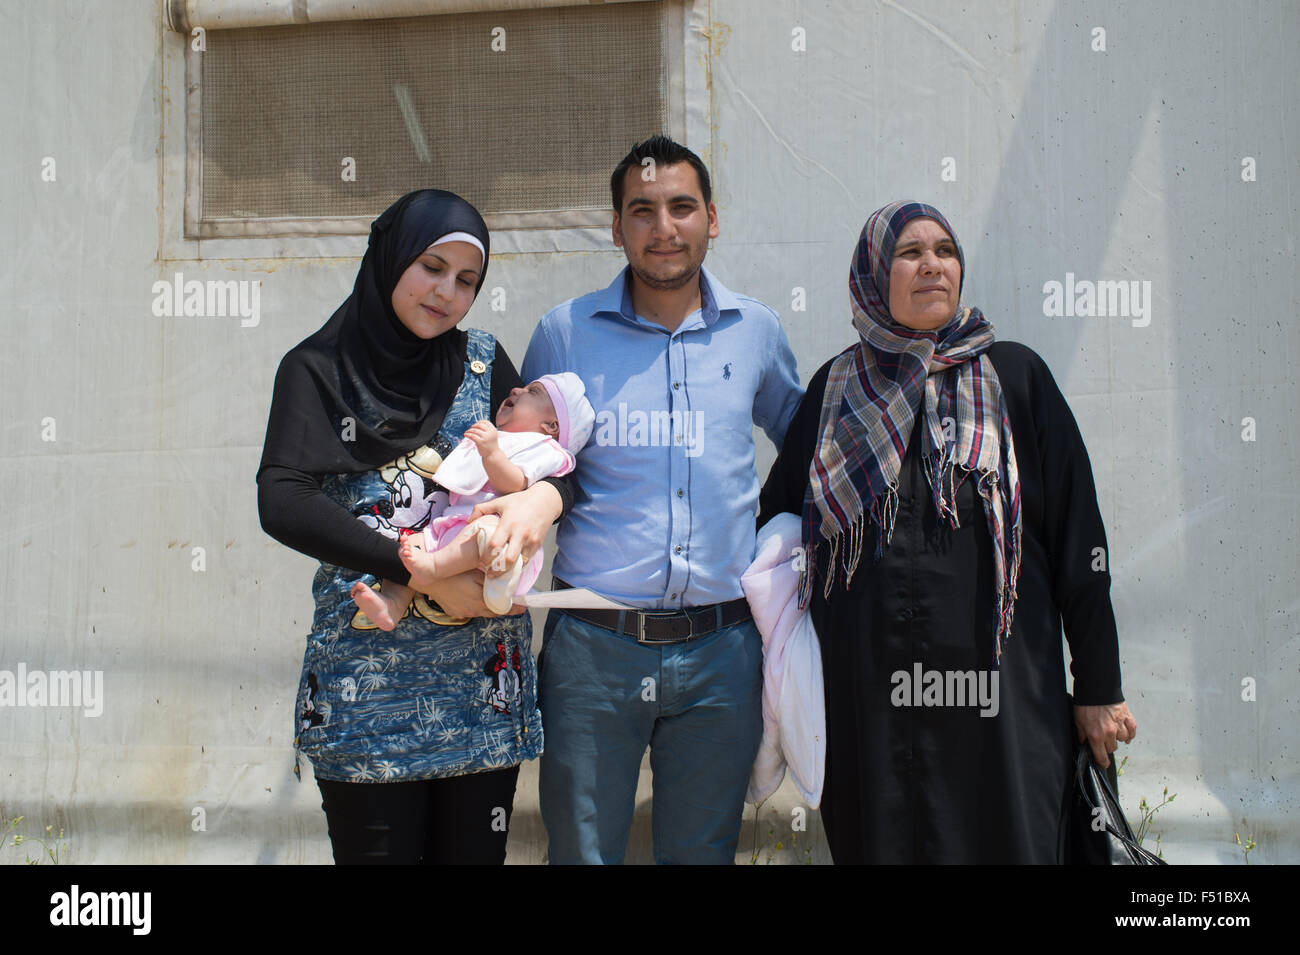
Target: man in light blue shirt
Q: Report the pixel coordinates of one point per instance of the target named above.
(678, 370)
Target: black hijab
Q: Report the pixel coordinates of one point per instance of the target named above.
(365, 365)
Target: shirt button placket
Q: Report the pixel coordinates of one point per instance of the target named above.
(679, 507)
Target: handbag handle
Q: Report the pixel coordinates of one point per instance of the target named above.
(1089, 779)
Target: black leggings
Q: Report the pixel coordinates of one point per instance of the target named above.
(460, 820)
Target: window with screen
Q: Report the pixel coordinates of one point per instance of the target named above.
(315, 129)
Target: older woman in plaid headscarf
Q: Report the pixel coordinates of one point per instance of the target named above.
(951, 527)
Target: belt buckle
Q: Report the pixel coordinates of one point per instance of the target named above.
(640, 625)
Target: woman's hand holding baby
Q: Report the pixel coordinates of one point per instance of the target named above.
(525, 519)
(459, 596)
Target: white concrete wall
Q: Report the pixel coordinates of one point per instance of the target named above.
(1122, 164)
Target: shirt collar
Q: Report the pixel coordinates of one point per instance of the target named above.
(616, 299)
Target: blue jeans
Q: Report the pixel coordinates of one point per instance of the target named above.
(604, 698)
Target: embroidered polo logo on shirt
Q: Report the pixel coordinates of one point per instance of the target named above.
(726, 372)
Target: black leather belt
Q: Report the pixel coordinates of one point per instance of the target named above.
(663, 626)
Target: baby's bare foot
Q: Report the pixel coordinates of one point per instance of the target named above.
(376, 605)
(418, 561)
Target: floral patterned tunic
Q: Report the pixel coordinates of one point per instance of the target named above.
(436, 696)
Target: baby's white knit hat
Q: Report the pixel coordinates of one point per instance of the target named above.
(572, 409)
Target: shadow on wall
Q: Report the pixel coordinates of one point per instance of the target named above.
(1164, 113)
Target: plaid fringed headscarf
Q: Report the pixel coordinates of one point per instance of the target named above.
(873, 394)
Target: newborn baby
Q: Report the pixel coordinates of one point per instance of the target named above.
(538, 431)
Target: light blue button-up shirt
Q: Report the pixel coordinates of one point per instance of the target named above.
(666, 493)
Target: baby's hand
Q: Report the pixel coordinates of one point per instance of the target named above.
(484, 436)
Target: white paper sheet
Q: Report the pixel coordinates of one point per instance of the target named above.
(579, 597)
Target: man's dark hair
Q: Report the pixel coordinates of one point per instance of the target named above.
(664, 152)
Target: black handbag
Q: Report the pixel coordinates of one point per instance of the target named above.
(1100, 833)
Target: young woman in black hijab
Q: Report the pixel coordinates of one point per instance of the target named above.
(415, 735)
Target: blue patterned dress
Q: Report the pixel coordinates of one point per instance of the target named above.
(433, 697)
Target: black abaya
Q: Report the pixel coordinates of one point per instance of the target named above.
(944, 784)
